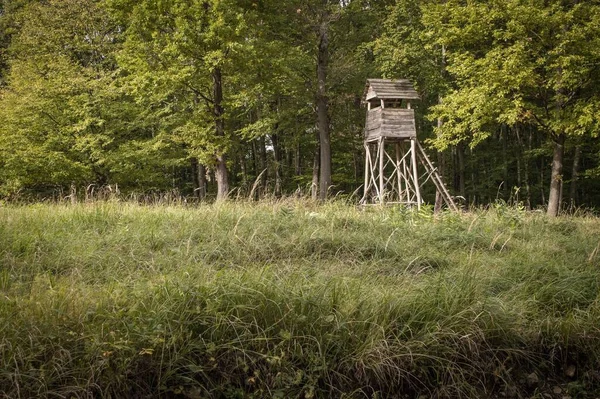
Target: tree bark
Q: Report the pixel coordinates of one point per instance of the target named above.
(194, 166)
(262, 144)
(314, 187)
(289, 162)
(277, 160)
(575, 175)
(507, 183)
(221, 173)
(322, 109)
(507, 186)
(199, 177)
(222, 178)
(298, 160)
(556, 176)
(254, 158)
(440, 156)
(541, 168)
(439, 201)
(474, 183)
(244, 169)
(460, 157)
(527, 174)
(201, 181)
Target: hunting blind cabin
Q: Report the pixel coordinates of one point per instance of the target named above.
(392, 149)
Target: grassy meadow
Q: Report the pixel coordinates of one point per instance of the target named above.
(293, 300)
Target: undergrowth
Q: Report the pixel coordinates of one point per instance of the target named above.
(289, 299)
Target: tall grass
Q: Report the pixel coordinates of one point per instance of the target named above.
(287, 299)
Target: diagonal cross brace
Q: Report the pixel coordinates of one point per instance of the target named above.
(437, 179)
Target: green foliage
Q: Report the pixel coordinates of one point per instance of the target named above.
(121, 92)
(66, 120)
(504, 79)
(169, 56)
(516, 62)
(406, 48)
(48, 110)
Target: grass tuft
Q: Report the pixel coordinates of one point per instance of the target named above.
(287, 299)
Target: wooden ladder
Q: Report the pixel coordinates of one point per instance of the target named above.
(437, 179)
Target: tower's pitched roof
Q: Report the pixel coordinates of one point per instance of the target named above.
(386, 89)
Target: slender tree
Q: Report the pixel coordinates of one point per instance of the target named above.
(54, 110)
(528, 63)
(179, 55)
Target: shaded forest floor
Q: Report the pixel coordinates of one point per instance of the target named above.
(290, 299)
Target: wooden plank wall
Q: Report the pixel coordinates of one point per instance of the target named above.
(373, 123)
(390, 122)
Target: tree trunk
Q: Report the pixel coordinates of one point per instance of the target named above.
(542, 178)
(244, 169)
(474, 183)
(484, 181)
(277, 160)
(298, 160)
(527, 174)
(211, 178)
(222, 178)
(556, 179)
(262, 144)
(322, 111)
(199, 177)
(358, 166)
(556, 176)
(314, 187)
(194, 166)
(460, 157)
(440, 156)
(575, 175)
(439, 201)
(522, 165)
(201, 181)
(254, 158)
(289, 162)
(506, 187)
(221, 173)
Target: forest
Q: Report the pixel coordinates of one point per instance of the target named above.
(256, 98)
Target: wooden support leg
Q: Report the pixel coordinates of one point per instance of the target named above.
(413, 149)
(409, 195)
(381, 166)
(366, 186)
(437, 179)
(398, 174)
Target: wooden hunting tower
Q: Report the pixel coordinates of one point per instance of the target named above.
(392, 148)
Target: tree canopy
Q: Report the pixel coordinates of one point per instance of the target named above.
(224, 98)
